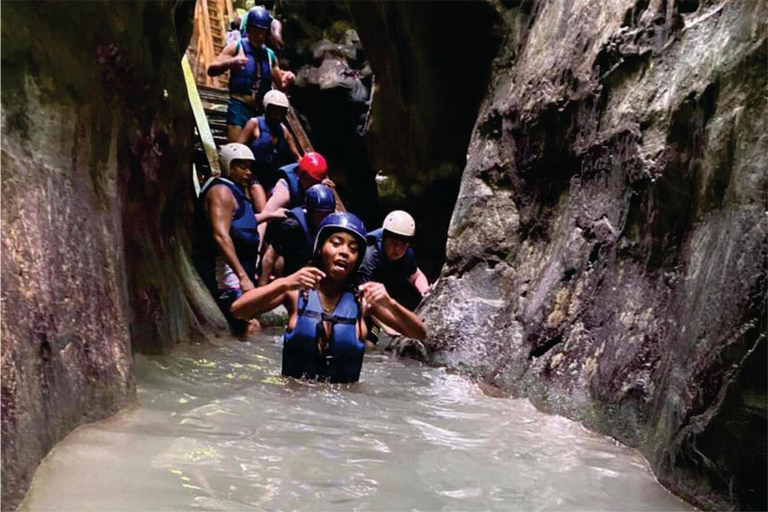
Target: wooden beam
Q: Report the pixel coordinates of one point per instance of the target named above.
(200, 120)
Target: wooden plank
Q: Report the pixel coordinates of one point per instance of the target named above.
(298, 131)
(200, 120)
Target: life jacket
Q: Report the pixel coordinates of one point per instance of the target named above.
(341, 359)
(300, 214)
(288, 173)
(243, 231)
(257, 73)
(374, 238)
(263, 150)
(394, 275)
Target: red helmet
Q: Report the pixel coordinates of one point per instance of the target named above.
(314, 165)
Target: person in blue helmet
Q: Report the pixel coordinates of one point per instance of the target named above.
(291, 241)
(228, 239)
(253, 71)
(324, 338)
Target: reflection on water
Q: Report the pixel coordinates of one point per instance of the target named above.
(217, 428)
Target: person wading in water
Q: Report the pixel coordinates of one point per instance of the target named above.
(324, 338)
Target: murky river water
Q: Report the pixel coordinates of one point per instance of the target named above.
(217, 428)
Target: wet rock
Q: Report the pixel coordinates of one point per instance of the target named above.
(333, 91)
(432, 71)
(95, 215)
(607, 252)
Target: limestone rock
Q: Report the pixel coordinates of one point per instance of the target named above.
(607, 253)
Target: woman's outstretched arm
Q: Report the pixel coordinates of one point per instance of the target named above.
(267, 298)
(389, 311)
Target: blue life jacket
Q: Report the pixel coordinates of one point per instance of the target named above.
(288, 173)
(257, 73)
(243, 232)
(342, 359)
(374, 238)
(262, 148)
(394, 275)
(300, 214)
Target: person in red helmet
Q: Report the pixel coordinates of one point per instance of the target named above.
(295, 180)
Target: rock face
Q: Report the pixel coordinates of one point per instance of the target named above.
(431, 62)
(95, 214)
(332, 92)
(607, 253)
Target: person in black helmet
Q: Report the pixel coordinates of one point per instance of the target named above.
(253, 71)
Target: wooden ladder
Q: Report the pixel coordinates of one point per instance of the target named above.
(208, 39)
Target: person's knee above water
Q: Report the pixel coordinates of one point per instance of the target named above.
(389, 258)
(272, 145)
(293, 238)
(253, 71)
(228, 226)
(326, 328)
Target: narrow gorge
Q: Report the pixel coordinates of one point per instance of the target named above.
(589, 180)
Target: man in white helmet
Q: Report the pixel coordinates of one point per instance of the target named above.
(227, 244)
(390, 260)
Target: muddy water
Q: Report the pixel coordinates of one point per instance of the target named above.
(217, 428)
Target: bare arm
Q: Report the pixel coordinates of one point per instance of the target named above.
(281, 79)
(419, 281)
(220, 204)
(267, 264)
(280, 198)
(227, 59)
(278, 214)
(266, 298)
(389, 311)
(251, 129)
(294, 149)
(258, 197)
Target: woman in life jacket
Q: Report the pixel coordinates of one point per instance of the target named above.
(324, 338)
(273, 146)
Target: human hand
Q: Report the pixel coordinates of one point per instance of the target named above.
(280, 213)
(287, 79)
(238, 62)
(307, 277)
(246, 284)
(328, 183)
(374, 294)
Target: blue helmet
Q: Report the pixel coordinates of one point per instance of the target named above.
(258, 17)
(320, 198)
(343, 221)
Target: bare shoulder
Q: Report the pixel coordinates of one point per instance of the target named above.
(220, 194)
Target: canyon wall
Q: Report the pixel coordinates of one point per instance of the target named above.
(607, 253)
(96, 204)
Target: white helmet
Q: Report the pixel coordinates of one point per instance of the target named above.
(233, 151)
(400, 223)
(276, 98)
